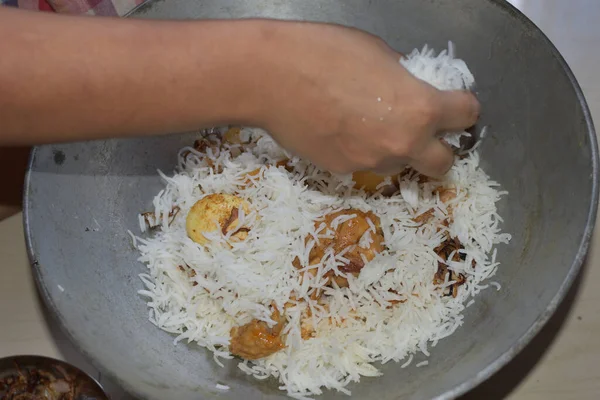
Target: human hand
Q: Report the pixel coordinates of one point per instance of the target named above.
(339, 97)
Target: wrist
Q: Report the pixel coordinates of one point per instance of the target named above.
(238, 69)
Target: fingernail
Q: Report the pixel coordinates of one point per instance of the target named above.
(475, 106)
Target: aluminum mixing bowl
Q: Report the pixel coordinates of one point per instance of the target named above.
(82, 198)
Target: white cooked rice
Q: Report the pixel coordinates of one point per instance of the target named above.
(234, 286)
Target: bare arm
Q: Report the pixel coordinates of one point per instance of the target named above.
(66, 78)
(315, 87)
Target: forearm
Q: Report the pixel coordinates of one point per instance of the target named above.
(72, 78)
(334, 95)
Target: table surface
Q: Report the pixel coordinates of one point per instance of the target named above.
(560, 363)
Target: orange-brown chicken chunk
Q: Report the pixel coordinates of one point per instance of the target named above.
(254, 175)
(256, 339)
(232, 136)
(348, 234)
(447, 194)
(370, 181)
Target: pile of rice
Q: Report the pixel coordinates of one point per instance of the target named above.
(391, 311)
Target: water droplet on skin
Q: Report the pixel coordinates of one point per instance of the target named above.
(379, 99)
(389, 108)
(363, 119)
(381, 118)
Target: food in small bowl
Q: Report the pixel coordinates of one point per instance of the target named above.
(43, 378)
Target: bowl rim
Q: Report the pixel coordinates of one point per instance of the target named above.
(493, 366)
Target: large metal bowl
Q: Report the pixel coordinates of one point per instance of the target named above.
(82, 198)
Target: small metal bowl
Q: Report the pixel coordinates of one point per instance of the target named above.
(36, 377)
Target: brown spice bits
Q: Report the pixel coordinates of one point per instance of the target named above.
(447, 247)
(256, 339)
(227, 224)
(424, 217)
(152, 220)
(38, 384)
(190, 272)
(394, 302)
(411, 173)
(444, 250)
(210, 142)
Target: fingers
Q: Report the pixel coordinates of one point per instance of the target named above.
(459, 110)
(390, 167)
(435, 160)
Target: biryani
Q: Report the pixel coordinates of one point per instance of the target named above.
(310, 277)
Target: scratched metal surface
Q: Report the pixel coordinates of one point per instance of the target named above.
(82, 198)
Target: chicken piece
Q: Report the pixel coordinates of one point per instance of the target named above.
(217, 211)
(446, 195)
(256, 339)
(255, 174)
(232, 136)
(285, 164)
(307, 330)
(339, 280)
(348, 234)
(251, 177)
(424, 217)
(232, 140)
(369, 181)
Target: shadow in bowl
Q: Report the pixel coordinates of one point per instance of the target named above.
(505, 381)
